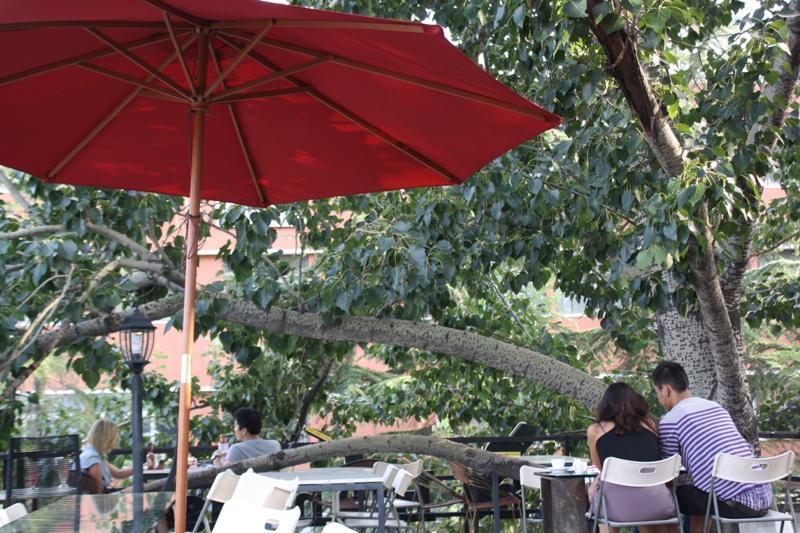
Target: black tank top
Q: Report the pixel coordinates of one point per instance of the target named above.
(633, 446)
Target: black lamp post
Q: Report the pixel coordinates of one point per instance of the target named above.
(136, 342)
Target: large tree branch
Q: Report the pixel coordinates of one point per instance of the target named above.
(631, 79)
(11, 389)
(308, 399)
(480, 460)
(17, 196)
(539, 368)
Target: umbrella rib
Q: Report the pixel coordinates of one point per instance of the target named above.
(79, 59)
(138, 61)
(385, 137)
(339, 109)
(245, 152)
(61, 24)
(263, 94)
(439, 87)
(174, 38)
(104, 122)
(238, 59)
(178, 13)
(397, 76)
(323, 24)
(272, 77)
(130, 79)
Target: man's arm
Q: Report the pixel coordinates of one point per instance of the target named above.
(668, 437)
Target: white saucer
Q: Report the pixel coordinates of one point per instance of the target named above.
(553, 470)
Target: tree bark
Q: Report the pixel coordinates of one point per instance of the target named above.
(479, 460)
(539, 368)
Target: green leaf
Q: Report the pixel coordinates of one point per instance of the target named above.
(416, 254)
(612, 23)
(575, 9)
(634, 6)
(519, 15)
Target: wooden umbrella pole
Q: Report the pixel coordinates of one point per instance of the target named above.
(200, 108)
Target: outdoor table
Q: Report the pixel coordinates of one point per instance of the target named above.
(564, 501)
(96, 513)
(337, 479)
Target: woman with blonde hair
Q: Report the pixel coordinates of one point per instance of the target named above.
(101, 440)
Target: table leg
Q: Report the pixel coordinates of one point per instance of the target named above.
(381, 510)
(564, 505)
(496, 503)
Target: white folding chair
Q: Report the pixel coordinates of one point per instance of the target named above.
(15, 512)
(389, 473)
(637, 474)
(221, 491)
(253, 488)
(401, 480)
(239, 516)
(529, 480)
(282, 494)
(749, 470)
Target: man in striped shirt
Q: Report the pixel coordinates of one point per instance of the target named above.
(700, 429)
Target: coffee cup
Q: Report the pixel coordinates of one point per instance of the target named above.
(558, 464)
(579, 466)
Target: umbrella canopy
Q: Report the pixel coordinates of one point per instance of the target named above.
(307, 104)
(242, 101)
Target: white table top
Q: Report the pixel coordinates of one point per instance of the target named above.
(328, 476)
(544, 460)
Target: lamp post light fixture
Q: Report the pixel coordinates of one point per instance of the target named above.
(136, 336)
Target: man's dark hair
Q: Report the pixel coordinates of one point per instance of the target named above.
(249, 419)
(672, 374)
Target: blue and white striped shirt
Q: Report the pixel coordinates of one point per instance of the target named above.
(699, 429)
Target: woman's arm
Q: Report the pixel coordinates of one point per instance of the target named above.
(118, 473)
(592, 434)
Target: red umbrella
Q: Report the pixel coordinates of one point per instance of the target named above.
(268, 103)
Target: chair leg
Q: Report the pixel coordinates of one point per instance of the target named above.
(202, 518)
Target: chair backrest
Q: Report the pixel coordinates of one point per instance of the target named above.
(336, 527)
(285, 519)
(415, 468)
(528, 477)
(15, 512)
(282, 494)
(35, 461)
(223, 487)
(460, 473)
(253, 488)
(388, 476)
(402, 482)
(749, 470)
(640, 474)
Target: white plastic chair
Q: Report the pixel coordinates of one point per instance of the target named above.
(637, 474)
(239, 516)
(336, 527)
(221, 491)
(15, 512)
(389, 473)
(282, 494)
(254, 488)
(749, 470)
(3, 517)
(528, 479)
(401, 480)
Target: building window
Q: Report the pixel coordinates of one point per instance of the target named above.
(569, 306)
